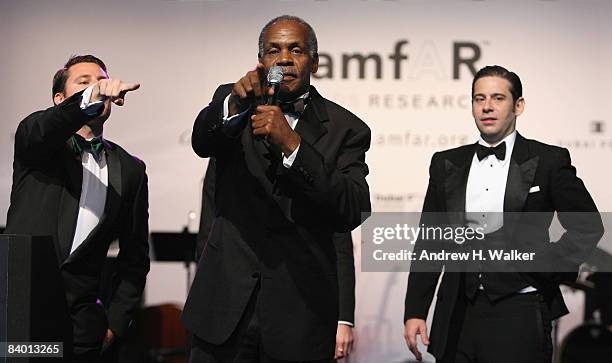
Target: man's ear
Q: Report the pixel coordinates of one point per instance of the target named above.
(315, 63)
(519, 106)
(58, 98)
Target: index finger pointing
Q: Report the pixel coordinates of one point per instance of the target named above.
(126, 87)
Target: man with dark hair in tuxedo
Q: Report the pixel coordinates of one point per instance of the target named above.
(483, 315)
(84, 191)
(288, 177)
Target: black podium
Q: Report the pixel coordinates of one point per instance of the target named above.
(32, 299)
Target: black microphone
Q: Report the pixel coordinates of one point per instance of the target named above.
(274, 79)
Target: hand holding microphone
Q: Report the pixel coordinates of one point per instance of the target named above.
(254, 87)
(269, 122)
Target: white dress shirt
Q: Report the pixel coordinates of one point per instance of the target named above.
(486, 188)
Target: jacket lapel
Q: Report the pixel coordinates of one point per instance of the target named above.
(259, 158)
(310, 127)
(114, 191)
(455, 185)
(69, 203)
(521, 174)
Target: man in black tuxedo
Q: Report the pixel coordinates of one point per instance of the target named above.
(345, 261)
(84, 191)
(492, 316)
(287, 179)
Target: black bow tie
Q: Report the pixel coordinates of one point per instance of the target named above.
(95, 146)
(295, 107)
(499, 151)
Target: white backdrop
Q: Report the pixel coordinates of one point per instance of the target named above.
(181, 50)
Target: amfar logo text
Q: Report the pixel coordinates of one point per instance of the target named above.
(426, 60)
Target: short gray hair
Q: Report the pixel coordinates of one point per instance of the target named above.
(311, 37)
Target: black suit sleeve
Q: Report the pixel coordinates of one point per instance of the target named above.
(346, 276)
(422, 285)
(208, 136)
(577, 214)
(43, 133)
(133, 259)
(339, 190)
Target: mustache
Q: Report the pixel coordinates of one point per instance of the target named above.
(289, 71)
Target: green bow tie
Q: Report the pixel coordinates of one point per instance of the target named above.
(94, 147)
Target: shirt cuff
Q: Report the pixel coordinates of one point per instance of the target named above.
(226, 117)
(342, 322)
(288, 160)
(90, 108)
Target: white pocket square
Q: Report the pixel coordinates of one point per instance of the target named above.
(534, 189)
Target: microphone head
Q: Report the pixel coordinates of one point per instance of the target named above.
(275, 75)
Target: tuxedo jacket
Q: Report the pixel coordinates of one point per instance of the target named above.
(274, 227)
(532, 164)
(345, 260)
(47, 181)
